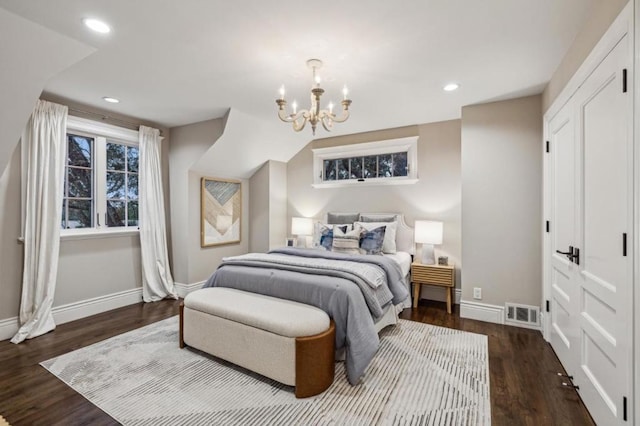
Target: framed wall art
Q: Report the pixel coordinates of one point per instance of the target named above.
(220, 211)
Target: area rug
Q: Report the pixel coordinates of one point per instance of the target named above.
(421, 375)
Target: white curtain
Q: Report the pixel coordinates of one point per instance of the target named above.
(45, 137)
(157, 282)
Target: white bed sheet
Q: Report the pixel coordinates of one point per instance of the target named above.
(403, 259)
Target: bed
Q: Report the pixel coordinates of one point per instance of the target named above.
(361, 293)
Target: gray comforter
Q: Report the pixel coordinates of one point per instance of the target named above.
(353, 297)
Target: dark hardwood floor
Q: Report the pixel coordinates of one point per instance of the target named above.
(524, 387)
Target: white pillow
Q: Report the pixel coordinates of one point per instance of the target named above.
(319, 227)
(346, 242)
(389, 243)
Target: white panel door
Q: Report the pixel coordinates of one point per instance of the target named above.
(563, 332)
(605, 213)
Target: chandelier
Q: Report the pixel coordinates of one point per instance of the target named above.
(314, 114)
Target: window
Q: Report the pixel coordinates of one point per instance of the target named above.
(373, 163)
(101, 178)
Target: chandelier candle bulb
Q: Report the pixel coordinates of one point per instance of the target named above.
(282, 92)
(330, 107)
(345, 92)
(294, 105)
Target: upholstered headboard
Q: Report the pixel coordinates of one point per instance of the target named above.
(404, 234)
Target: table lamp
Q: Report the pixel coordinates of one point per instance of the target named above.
(428, 233)
(301, 227)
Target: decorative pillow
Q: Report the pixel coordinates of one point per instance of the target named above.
(323, 235)
(377, 218)
(389, 243)
(371, 241)
(346, 242)
(341, 218)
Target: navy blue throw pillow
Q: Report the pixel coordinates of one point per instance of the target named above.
(326, 237)
(371, 241)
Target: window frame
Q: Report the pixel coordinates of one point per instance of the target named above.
(103, 133)
(389, 146)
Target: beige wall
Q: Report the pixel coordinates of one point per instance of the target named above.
(259, 215)
(192, 263)
(436, 196)
(268, 207)
(602, 15)
(188, 144)
(501, 201)
(10, 249)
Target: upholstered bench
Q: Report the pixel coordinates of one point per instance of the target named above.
(289, 342)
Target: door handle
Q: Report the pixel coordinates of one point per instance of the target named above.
(573, 254)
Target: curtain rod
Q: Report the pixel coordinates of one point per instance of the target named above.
(129, 124)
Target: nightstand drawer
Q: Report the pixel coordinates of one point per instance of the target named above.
(430, 276)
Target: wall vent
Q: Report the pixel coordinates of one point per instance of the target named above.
(523, 315)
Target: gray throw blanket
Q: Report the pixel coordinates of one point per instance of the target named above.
(337, 292)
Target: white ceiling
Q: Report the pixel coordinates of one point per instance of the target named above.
(178, 62)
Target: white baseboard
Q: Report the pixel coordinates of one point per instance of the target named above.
(482, 312)
(439, 294)
(184, 289)
(77, 310)
(8, 327)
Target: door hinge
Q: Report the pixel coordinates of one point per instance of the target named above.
(547, 226)
(624, 244)
(548, 308)
(624, 80)
(624, 408)
(547, 146)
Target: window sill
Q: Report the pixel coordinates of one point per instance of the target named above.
(370, 182)
(96, 234)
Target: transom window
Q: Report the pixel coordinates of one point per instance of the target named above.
(374, 163)
(101, 178)
(369, 167)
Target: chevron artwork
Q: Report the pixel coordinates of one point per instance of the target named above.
(221, 211)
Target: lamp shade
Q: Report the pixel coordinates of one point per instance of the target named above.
(301, 226)
(428, 232)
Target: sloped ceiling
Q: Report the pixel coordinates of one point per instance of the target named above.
(25, 68)
(175, 63)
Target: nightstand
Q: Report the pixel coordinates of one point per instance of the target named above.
(438, 275)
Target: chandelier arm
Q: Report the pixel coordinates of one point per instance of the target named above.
(290, 118)
(299, 126)
(326, 120)
(343, 118)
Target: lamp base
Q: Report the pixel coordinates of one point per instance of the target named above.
(301, 241)
(428, 255)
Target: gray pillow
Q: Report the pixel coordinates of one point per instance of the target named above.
(340, 218)
(367, 218)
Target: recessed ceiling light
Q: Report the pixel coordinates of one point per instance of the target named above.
(111, 100)
(96, 25)
(451, 87)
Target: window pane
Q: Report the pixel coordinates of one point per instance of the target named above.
(115, 213)
(132, 219)
(115, 185)
(370, 166)
(79, 150)
(329, 169)
(63, 224)
(400, 164)
(356, 168)
(115, 156)
(132, 186)
(79, 182)
(80, 214)
(132, 159)
(343, 168)
(384, 165)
